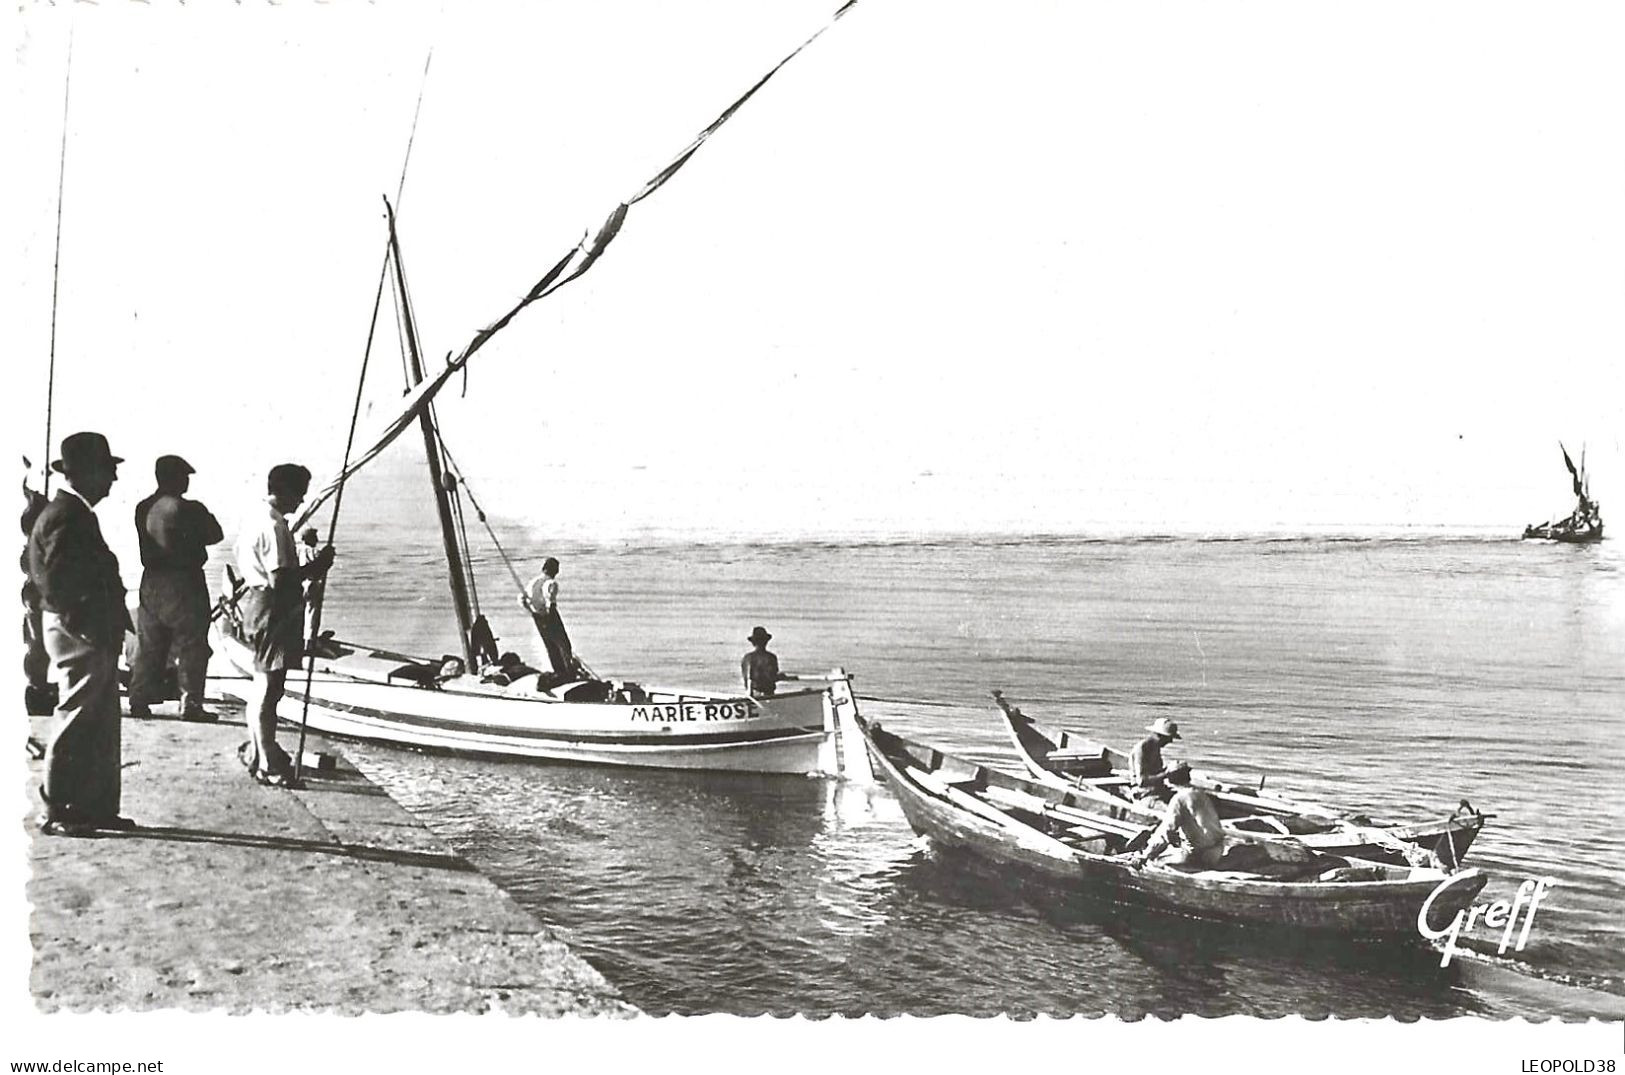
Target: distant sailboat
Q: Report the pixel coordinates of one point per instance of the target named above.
(1585, 523)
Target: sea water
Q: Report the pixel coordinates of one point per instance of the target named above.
(1397, 677)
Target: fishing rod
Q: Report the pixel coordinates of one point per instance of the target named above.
(349, 441)
(56, 266)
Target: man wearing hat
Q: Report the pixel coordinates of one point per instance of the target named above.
(1191, 827)
(760, 668)
(172, 621)
(83, 621)
(1147, 775)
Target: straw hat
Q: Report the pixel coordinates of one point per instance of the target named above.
(1164, 726)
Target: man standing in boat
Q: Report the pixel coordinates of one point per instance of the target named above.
(541, 600)
(272, 611)
(172, 621)
(1191, 827)
(84, 621)
(760, 668)
(1147, 776)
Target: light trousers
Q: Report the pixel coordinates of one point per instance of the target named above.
(82, 763)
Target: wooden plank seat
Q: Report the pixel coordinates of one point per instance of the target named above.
(1080, 759)
(1083, 822)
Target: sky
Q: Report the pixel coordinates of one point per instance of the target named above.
(1029, 267)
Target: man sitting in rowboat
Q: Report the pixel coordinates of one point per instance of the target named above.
(1147, 775)
(1191, 828)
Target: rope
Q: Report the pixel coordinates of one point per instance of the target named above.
(56, 266)
(479, 512)
(519, 583)
(462, 534)
(349, 441)
(912, 701)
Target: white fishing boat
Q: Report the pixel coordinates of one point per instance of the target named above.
(481, 703)
(360, 693)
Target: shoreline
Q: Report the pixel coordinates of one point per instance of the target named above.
(238, 897)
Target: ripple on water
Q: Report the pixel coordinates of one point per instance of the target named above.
(1392, 677)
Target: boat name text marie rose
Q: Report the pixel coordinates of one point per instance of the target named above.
(1495, 915)
(693, 711)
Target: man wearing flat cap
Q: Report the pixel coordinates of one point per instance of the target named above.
(172, 621)
(760, 668)
(1147, 775)
(84, 622)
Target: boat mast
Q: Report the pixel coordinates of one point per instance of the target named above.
(56, 265)
(455, 570)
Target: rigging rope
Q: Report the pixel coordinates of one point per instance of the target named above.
(479, 512)
(913, 701)
(462, 533)
(577, 261)
(349, 442)
(56, 266)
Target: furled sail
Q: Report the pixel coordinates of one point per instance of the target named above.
(572, 265)
(1579, 489)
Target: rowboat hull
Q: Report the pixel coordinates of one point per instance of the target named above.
(354, 696)
(1447, 839)
(1387, 906)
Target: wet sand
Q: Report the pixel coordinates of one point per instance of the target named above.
(240, 897)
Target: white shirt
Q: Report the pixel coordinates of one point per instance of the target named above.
(543, 594)
(264, 545)
(67, 487)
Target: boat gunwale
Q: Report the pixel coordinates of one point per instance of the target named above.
(1416, 880)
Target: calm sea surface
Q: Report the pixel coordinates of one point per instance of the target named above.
(1397, 677)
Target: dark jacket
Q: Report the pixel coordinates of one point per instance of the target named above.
(76, 573)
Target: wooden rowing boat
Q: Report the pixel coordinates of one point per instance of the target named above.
(1088, 844)
(1070, 760)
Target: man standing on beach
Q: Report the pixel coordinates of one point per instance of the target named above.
(272, 611)
(83, 621)
(172, 621)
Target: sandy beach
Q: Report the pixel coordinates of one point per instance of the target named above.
(244, 898)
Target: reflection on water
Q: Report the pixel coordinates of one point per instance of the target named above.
(1392, 677)
(741, 894)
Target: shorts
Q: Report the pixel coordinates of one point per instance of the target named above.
(273, 627)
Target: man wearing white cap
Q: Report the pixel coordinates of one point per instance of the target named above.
(1147, 774)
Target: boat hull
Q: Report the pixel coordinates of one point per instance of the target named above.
(786, 734)
(1371, 910)
(1447, 839)
(1546, 532)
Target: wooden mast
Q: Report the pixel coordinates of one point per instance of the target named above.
(455, 569)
